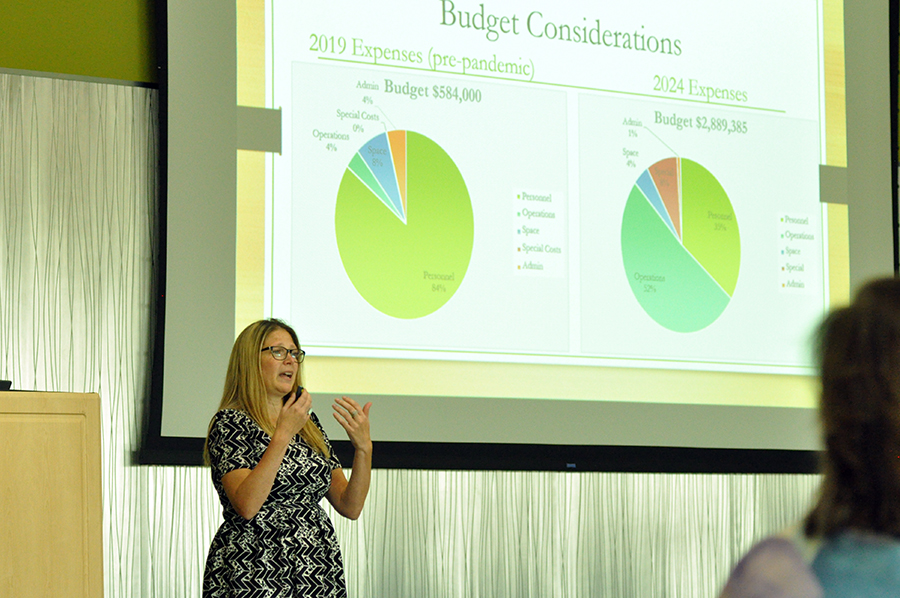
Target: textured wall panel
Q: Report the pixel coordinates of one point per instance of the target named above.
(515, 534)
(77, 214)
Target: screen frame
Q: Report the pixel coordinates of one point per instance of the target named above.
(167, 450)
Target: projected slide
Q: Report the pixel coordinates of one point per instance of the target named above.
(574, 184)
(403, 221)
(680, 245)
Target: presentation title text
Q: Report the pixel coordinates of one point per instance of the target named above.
(538, 25)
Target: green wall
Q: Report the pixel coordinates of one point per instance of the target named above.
(110, 39)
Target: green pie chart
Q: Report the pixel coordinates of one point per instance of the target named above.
(404, 224)
(681, 247)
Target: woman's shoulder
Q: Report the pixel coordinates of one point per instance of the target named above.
(235, 442)
(331, 457)
(315, 420)
(233, 419)
(230, 414)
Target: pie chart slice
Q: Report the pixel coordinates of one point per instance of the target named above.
(680, 245)
(406, 250)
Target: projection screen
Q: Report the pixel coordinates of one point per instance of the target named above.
(558, 236)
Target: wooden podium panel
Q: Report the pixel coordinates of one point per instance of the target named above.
(51, 527)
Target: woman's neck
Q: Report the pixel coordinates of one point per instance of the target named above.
(273, 407)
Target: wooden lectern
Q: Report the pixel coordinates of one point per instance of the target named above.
(51, 517)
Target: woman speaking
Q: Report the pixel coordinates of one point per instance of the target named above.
(271, 466)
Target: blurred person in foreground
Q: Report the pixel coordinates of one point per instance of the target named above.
(271, 466)
(849, 544)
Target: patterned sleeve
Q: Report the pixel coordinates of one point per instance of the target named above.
(233, 443)
(333, 461)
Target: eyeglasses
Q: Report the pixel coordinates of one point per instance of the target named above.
(281, 353)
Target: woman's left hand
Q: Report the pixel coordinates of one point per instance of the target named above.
(355, 420)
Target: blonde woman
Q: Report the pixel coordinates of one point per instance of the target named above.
(271, 466)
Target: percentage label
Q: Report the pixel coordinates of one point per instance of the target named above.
(368, 100)
(358, 129)
(649, 288)
(331, 147)
(377, 162)
(720, 226)
(630, 164)
(438, 288)
(632, 133)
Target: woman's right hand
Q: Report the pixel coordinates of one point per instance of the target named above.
(248, 489)
(294, 413)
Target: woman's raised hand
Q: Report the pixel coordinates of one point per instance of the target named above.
(355, 420)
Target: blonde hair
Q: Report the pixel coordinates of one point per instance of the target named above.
(245, 389)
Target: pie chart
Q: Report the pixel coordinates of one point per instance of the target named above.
(404, 224)
(681, 247)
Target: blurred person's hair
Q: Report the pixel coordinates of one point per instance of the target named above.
(859, 361)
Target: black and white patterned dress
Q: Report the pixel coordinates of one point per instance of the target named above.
(289, 549)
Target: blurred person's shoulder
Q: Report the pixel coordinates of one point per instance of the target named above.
(776, 567)
(859, 563)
